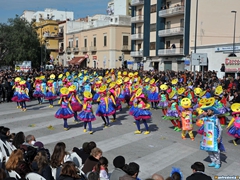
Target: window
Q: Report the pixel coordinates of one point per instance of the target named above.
(139, 29)
(152, 27)
(182, 22)
(153, 8)
(152, 45)
(94, 41)
(168, 24)
(76, 42)
(181, 43)
(70, 43)
(105, 40)
(85, 42)
(125, 40)
(140, 12)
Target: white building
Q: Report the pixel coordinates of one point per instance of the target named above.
(119, 7)
(51, 14)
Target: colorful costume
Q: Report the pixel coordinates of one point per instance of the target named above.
(23, 96)
(64, 112)
(87, 115)
(50, 95)
(38, 90)
(17, 88)
(75, 103)
(153, 95)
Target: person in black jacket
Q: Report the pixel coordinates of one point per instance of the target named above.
(82, 153)
(198, 169)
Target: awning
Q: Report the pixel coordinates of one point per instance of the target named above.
(77, 60)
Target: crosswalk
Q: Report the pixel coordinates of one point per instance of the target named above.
(156, 152)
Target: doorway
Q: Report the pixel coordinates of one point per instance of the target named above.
(167, 65)
(156, 66)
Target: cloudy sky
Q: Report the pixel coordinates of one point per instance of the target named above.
(81, 8)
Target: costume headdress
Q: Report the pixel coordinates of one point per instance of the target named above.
(181, 91)
(52, 76)
(126, 79)
(112, 85)
(60, 76)
(102, 89)
(174, 81)
(176, 170)
(163, 87)
(152, 81)
(64, 92)
(218, 91)
(17, 79)
(72, 88)
(172, 95)
(119, 82)
(22, 83)
(130, 75)
(186, 103)
(50, 82)
(209, 104)
(235, 108)
(197, 91)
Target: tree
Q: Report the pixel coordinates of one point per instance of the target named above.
(19, 42)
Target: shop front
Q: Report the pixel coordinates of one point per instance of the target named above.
(232, 66)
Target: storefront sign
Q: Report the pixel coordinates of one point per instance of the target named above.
(227, 48)
(232, 64)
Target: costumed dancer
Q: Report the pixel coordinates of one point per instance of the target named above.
(180, 93)
(212, 135)
(127, 90)
(223, 111)
(64, 112)
(59, 84)
(51, 93)
(96, 96)
(113, 95)
(153, 95)
(38, 90)
(106, 106)
(186, 117)
(234, 130)
(142, 112)
(76, 104)
(163, 103)
(17, 90)
(87, 115)
(119, 90)
(23, 95)
(173, 112)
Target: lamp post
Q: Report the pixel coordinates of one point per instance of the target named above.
(234, 31)
(195, 41)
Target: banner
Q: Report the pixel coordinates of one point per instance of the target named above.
(24, 66)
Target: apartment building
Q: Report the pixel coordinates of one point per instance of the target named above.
(101, 42)
(160, 33)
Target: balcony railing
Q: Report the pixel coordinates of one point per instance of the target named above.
(137, 36)
(136, 19)
(171, 32)
(136, 53)
(68, 50)
(137, 2)
(126, 48)
(171, 11)
(170, 52)
(84, 49)
(76, 49)
(93, 48)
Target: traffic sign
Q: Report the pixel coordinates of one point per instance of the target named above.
(199, 59)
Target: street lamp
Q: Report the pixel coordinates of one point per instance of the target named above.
(195, 41)
(234, 32)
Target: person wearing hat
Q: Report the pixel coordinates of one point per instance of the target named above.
(76, 104)
(119, 90)
(106, 106)
(173, 112)
(153, 95)
(23, 95)
(127, 90)
(50, 95)
(119, 163)
(113, 96)
(38, 90)
(234, 125)
(87, 115)
(163, 103)
(142, 112)
(212, 135)
(64, 112)
(17, 89)
(96, 87)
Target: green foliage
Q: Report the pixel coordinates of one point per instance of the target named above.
(20, 41)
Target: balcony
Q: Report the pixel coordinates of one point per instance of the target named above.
(93, 48)
(170, 52)
(68, 50)
(178, 10)
(171, 32)
(137, 19)
(138, 36)
(76, 50)
(126, 48)
(84, 49)
(137, 2)
(136, 53)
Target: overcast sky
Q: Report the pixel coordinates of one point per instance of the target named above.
(81, 8)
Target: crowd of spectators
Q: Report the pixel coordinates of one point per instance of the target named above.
(30, 155)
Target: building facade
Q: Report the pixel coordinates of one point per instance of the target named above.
(119, 7)
(160, 33)
(102, 42)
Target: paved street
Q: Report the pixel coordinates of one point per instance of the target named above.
(157, 152)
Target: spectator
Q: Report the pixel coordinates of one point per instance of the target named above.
(157, 177)
(83, 153)
(5, 134)
(119, 163)
(132, 171)
(222, 68)
(198, 169)
(30, 140)
(2, 174)
(92, 160)
(41, 166)
(17, 163)
(40, 147)
(93, 176)
(176, 174)
(236, 98)
(102, 168)
(18, 139)
(69, 172)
